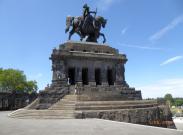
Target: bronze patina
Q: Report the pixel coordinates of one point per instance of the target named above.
(87, 25)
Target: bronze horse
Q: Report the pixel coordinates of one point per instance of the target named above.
(91, 29)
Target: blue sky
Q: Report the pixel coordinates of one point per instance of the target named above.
(149, 32)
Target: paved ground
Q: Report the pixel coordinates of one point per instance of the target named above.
(179, 122)
(179, 126)
(11, 126)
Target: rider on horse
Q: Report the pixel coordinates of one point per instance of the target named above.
(87, 18)
(86, 25)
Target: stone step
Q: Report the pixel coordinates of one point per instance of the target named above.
(64, 105)
(41, 111)
(45, 116)
(68, 106)
(45, 113)
(108, 107)
(134, 102)
(26, 115)
(39, 116)
(68, 97)
(66, 100)
(67, 103)
(71, 100)
(62, 108)
(60, 103)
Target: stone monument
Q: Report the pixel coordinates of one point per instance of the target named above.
(88, 81)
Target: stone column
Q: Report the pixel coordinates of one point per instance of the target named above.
(104, 80)
(119, 74)
(91, 76)
(54, 75)
(114, 74)
(123, 72)
(59, 73)
(78, 75)
(62, 69)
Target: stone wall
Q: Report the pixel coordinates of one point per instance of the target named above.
(159, 116)
(15, 100)
(107, 93)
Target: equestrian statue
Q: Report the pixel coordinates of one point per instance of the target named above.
(86, 25)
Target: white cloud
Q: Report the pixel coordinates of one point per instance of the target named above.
(176, 58)
(139, 47)
(176, 21)
(104, 5)
(159, 89)
(123, 31)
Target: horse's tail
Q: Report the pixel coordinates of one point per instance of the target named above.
(68, 23)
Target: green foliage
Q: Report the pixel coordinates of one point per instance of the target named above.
(173, 101)
(11, 79)
(169, 99)
(31, 86)
(178, 101)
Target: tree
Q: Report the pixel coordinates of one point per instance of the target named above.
(31, 86)
(169, 99)
(178, 101)
(15, 80)
(1, 70)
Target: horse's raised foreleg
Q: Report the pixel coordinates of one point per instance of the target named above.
(70, 34)
(101, 34)
(69, 21)
(66, 29)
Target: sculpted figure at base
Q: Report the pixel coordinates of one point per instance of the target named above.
(86, 25)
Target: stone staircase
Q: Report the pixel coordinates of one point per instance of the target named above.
(63, 109)
(67, 103)
(50, 95)
(70, 107)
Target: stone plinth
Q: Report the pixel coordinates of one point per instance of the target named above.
(89, 82)
(72, 59)
(94, 69)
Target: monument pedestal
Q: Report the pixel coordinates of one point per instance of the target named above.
(89, 82)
